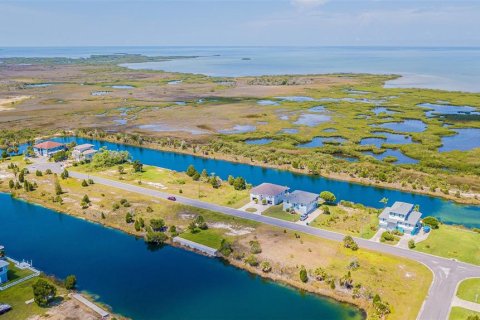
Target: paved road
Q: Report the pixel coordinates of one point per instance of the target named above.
(447, 273)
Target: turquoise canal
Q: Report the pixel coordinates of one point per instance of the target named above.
(143, 283)
(447, 211)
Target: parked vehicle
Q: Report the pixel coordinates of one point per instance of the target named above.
(303, 217)
(172, 198)
(4, 308)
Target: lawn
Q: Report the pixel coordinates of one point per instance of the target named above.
(469, 290)
(356, 221)
(458, 313)
(277, 212)
(452, 242)
(15, 273)
(16, 297)
(210, 237)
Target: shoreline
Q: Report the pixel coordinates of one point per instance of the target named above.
(277, 279)
(243, 160)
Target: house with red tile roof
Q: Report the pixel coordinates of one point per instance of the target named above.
(48, 148)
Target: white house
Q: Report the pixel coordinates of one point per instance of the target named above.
(402, 217)
(301, 202)
(272, 193)
(83, 152)
(48, 148)
(3, 271)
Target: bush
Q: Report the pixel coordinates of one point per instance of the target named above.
(154, 237)
(38, 173)
(266, 267)
(303, 275)
(411, 244)
(70, 282)
(43, 292)
(225, 248)
(251, 260)
(387, 236)
(431, 222)
(128, 217)
(255, 247)
(328, 197)
(157, 224)
(348, 242)
(239, 183)
(106, 158)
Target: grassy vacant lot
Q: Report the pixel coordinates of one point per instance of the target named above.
(16, 297)
(458, 313)
(277, 212)
(357, 221)
(173, 182)
(469, 290)
(452, 242)
(210, 237)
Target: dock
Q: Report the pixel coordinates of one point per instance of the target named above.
(196, 246)
(104, 314)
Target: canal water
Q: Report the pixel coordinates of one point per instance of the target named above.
(447, 211)
(141, 283)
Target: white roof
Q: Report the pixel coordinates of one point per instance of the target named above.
(3, 263)
(83, 147)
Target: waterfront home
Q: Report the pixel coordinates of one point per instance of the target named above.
(401, 216)
(271, 193)
(301, 202)
(83, 152)
(3, 271)
(48, 148)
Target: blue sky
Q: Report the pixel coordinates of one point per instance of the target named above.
(247, 22)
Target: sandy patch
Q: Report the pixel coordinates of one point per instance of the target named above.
(156, 185)
(6, 103)
(232, 231)
(69, 309)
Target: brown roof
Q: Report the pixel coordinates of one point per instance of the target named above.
(268, 189)
(48, 145)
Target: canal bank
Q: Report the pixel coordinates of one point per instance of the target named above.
(447, 211)
(116, 267)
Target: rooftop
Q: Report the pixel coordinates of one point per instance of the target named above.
(48, 145)
(303, 197)
(90, 151)
(269, 189)
(401, 207)
(83, 147)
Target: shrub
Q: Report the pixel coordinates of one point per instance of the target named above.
(255, 247)
(38, 173)
(70, 282)
(303, 275)
(43, 292)
(432, 222)
(266, 267)
(191, 171)
(115, 206)
(251, 260)
(128, 217)
(154, 237)
(328, 197)
(348, 242)
(387, 236)
(239, 183)
(157, 224)
(149, 209)
(225, 248)
(320, 274)
(411, 244)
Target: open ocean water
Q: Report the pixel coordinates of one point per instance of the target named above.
(447, 68)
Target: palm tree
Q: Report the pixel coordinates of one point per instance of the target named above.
(384, 201)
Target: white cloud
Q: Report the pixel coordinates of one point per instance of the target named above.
(307, 4)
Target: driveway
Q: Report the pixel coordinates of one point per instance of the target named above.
(43, 164)
(447, 273)
(258, 206)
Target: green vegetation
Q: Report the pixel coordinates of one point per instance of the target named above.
(211, 237)
(349, 243)
(353, 219)
(390, 237)
(432, 222)
(43, 292)
(469, 290)
(452, 242)
(16, 297)
(70, 282)
(458, 313)
(328, 197)
(278, 212)
(303, 274)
